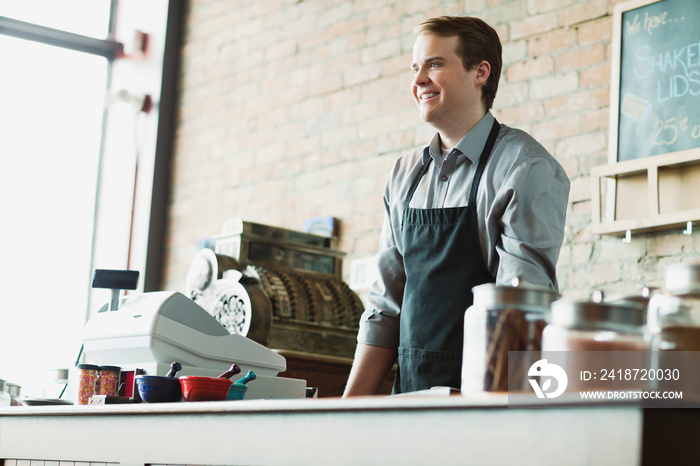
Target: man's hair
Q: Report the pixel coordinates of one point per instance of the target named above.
(477, 41)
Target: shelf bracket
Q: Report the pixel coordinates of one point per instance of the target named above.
(628, 237)
(688, 229)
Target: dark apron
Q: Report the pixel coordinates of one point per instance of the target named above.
(443, 262)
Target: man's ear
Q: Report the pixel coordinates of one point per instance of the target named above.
(483, 71)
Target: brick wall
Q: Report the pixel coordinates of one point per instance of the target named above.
(293, 109)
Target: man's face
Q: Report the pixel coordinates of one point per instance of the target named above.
(446, 93)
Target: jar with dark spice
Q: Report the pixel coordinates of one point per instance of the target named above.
(503, 318)
(604, 340)
(674, 314)
(596, 326)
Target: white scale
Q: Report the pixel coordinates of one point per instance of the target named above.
(150, 331)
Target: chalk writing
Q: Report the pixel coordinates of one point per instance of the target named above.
(650, 23)
(679, 67)
(682, 58)
(666, 132)
(659, 94)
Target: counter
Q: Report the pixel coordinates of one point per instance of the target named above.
(403, 430)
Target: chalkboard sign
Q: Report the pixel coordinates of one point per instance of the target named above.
(658, 104)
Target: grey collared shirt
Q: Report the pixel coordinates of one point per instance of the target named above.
(521, 210)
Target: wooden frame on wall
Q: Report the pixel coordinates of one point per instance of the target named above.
(652, 179)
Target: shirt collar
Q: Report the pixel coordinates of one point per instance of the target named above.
(471, 145)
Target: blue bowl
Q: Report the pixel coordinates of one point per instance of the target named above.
(159, 389)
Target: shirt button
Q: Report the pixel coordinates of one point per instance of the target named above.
(443, 178)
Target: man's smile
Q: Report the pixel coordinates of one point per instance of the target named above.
(429, 95)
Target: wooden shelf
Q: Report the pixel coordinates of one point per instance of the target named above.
(648, 194)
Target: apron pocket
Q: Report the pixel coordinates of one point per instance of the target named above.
(421, 369)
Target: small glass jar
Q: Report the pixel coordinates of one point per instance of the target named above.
(5, 398)
(57, 385)
(108, 382)
(674, 314)
(87, 379)
(15, 391)
(502, 318)
(596, 326)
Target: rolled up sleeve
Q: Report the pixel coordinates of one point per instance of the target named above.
(379, 324)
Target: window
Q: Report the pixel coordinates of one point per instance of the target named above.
(92, 21)
(51, 115)
(73, 130)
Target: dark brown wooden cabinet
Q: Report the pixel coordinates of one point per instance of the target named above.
(328, 374)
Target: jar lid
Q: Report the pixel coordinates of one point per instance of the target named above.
(683, 279)
(14, 390)
(110, 368)
(60, 375)
(490, 295)
(88, 367)
(642, 296)
(588, 314)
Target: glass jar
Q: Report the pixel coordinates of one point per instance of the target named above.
(57, 383)
(596, 326)
(598, 342)
(15, 391)
(5, 398)
(87, 379)
(674, 314)
(108, 381)
(503, 318)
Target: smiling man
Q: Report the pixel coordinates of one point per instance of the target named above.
(481, 203)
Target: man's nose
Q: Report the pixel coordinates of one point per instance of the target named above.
(420, 77)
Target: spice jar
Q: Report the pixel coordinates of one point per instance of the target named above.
(58, 383)
(5, 398)
(502, 318)
(642, 295)
(597, 343)
(108, 381)
(87, 378)
(15, 391)
(674, 315)
(596, 326)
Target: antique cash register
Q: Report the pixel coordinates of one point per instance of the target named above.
(279, 287)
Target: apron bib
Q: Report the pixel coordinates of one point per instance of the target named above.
(443, 262)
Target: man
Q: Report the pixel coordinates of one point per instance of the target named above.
(481, 203)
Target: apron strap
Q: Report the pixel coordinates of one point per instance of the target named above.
(483, 158)
(417, 179)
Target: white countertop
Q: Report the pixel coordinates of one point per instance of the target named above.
(405, 430)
